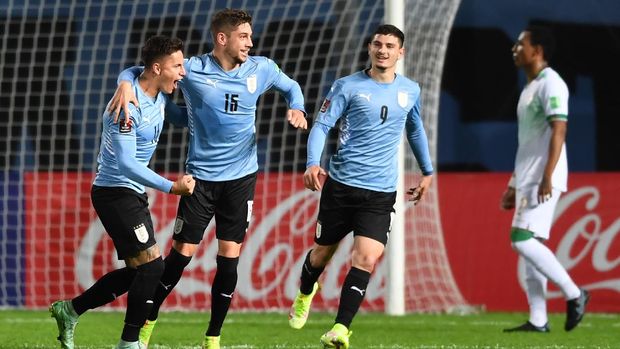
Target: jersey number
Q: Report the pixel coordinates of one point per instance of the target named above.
(156, 132)
(231, 103)
(384, 112)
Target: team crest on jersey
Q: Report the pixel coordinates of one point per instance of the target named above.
(141, 233)
(125, 125)
(251, 83)
(325, 105)
(403, 98)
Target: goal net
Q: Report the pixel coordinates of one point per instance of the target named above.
(58, 70)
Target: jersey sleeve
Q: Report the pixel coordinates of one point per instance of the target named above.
(129, 74)
(554, 98)
(123, 136)
(316, 143)
(334, 105)
(176, 115)
(288, 87)
(418, 140)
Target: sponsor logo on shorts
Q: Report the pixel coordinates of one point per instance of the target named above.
(141, 233)
(250, 208)
(318, 230)
(178, 225)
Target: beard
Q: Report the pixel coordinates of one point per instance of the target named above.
(239, 59)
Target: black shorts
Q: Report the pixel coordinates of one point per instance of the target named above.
(344, 209)
(126, 217)
(231, 203)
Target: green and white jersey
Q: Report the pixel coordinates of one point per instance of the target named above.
(543, 100)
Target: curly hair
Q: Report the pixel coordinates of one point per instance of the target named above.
(159, 46)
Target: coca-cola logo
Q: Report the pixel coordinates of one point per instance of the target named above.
(587, 243)
(270, 262)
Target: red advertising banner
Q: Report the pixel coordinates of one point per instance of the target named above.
(67, 249)
(584, 237)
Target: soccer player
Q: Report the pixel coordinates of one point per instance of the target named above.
(119, 198)
(374, 106)
(539, 178)
(221, 90)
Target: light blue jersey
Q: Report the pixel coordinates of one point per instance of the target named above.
(127, 146)
(221, 113)
(372, 118)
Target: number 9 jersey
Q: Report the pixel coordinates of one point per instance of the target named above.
(372, 118)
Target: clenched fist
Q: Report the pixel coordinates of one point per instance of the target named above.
(183, 186)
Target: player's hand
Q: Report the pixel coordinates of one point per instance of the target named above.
(121, 99)
(544, 191)
(508, 199)
(314, 177)
(183, 186)
(297, 119)
(417, 193)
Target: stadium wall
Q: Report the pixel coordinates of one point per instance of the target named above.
(585, 238)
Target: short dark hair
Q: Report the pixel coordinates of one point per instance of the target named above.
(388, 29)
(159, 46)
(542, 36)
(228, 19)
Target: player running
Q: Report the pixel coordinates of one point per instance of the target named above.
(119, 198)
(374, 106)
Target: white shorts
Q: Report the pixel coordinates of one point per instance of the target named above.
(532, 216)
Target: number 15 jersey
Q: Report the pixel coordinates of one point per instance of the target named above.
(221, 108)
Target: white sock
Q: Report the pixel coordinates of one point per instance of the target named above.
(536, 289)
(541, 257)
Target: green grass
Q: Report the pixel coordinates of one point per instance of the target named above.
(35, 329)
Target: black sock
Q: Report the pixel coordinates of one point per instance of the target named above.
(105, 290)
(175, 264)
(352, 295)
(222, 290)
(140, 297)
(309, 275)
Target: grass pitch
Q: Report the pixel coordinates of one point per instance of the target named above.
(36, 329)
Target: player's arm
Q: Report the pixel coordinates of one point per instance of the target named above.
(124, 94)
(416, 136)
(554, 94)
(333, 107)
(176, 115)
(558, 136)
(124, 146)
(290, 89)
(316, 143)
(509, 195)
